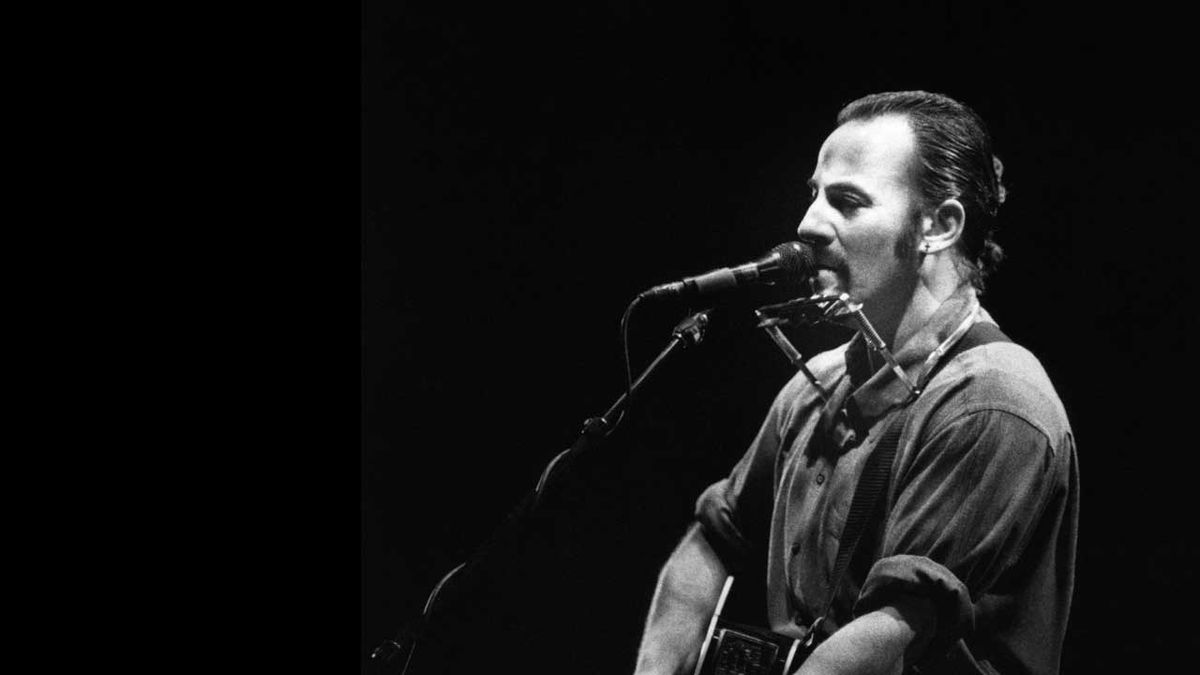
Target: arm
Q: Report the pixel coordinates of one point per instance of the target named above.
(968, 504)
(876, 643)
(687, 592)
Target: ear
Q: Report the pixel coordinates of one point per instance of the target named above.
(944, 228)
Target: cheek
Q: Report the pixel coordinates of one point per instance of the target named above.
(870, 248)
(874, 252)
(886, 234)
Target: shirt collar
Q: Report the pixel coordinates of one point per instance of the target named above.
(883, 390)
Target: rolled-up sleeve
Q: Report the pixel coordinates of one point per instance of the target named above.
(717, 518)
(964, 506)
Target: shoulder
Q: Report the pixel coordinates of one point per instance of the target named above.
(1001, 381)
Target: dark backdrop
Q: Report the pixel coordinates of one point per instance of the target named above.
(527, 169)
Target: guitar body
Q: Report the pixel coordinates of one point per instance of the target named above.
(732, 648)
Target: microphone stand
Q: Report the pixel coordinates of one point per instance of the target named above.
(395, 655)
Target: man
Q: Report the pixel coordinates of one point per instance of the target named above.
(970, 559)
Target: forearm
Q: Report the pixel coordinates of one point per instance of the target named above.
(687, 592)
(876, 643)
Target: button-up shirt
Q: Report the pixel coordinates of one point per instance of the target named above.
(980, 514)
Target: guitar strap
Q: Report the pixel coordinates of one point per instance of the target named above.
(873, 480)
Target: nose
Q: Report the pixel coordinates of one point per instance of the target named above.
(814, 229)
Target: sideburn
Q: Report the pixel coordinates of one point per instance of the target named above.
(906, 246)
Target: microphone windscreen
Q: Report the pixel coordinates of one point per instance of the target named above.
(796, 259)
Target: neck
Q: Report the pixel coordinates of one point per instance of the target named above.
(936, 280)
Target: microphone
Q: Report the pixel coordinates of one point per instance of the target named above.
(788, 261)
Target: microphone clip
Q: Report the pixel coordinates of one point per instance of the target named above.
(690, 331)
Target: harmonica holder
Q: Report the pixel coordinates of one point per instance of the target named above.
(818, 309)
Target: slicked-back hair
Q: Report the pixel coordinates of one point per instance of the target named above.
(954, 161)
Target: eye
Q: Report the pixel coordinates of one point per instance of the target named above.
(844, 202)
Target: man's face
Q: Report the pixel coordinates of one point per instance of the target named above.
(864, 216)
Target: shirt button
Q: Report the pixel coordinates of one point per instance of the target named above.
(820, 478)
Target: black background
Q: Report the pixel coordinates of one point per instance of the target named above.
(526, 170)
